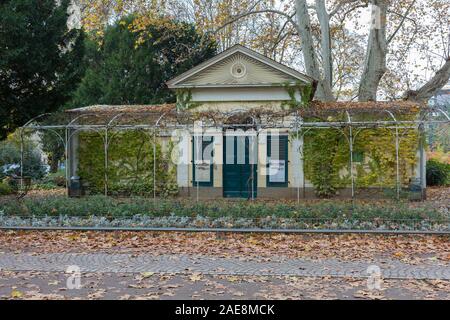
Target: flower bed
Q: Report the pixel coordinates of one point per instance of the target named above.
(100, 211)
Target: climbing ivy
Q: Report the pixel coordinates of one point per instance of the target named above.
(327, 159)
(306, 95)
(184, 99)
(130, 164)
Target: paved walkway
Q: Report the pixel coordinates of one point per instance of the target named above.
(126, 263)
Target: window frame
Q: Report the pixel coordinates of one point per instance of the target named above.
(209, 183)
(284, 138)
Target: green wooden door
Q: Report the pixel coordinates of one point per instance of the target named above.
(237, 168)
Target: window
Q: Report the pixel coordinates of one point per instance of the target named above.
(358, 156)
(277, 161)
(202, 160)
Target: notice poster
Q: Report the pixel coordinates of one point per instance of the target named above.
(277, 170)
(202, 172)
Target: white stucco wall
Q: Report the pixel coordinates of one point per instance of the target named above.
(295, 164)
(241, 94)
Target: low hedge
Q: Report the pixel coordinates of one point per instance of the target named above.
(5, 189)
(113, 208)
(438, 173)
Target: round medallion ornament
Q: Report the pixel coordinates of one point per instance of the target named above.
(238, 70)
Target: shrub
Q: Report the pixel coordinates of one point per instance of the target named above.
(51, 181)
(5, 189)
(10, 160)
(112, 207)
(59, 181)
(438, 173)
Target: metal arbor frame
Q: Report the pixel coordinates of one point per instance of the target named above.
(155, 122)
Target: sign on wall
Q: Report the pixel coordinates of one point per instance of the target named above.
(277, 170)
(202, 171)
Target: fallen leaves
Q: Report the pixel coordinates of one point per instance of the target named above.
(127, 286)
(253, 241)
(232, 278)
(408, 248)
(97, 294)
(147, 274)
(364, 294)
(195, 277)
(16, 294)
(73, 237)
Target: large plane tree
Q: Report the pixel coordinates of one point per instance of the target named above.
(357, 49)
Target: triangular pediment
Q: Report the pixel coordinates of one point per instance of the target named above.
(238, 66)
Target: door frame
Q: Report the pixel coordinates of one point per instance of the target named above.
(255, 169)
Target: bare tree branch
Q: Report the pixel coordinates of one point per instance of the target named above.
(280, 37)
(404, 17)
(289, 17)
(430, 88)
(342, 3)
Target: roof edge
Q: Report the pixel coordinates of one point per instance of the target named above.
(173, 83)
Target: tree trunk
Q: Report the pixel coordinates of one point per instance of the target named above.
(53, 164)
(375, 61)
(309, 54)
(324, 20)
(430, 88)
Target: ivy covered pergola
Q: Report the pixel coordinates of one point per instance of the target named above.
(348, 119)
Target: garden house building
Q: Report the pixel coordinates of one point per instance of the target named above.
(245, 126)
